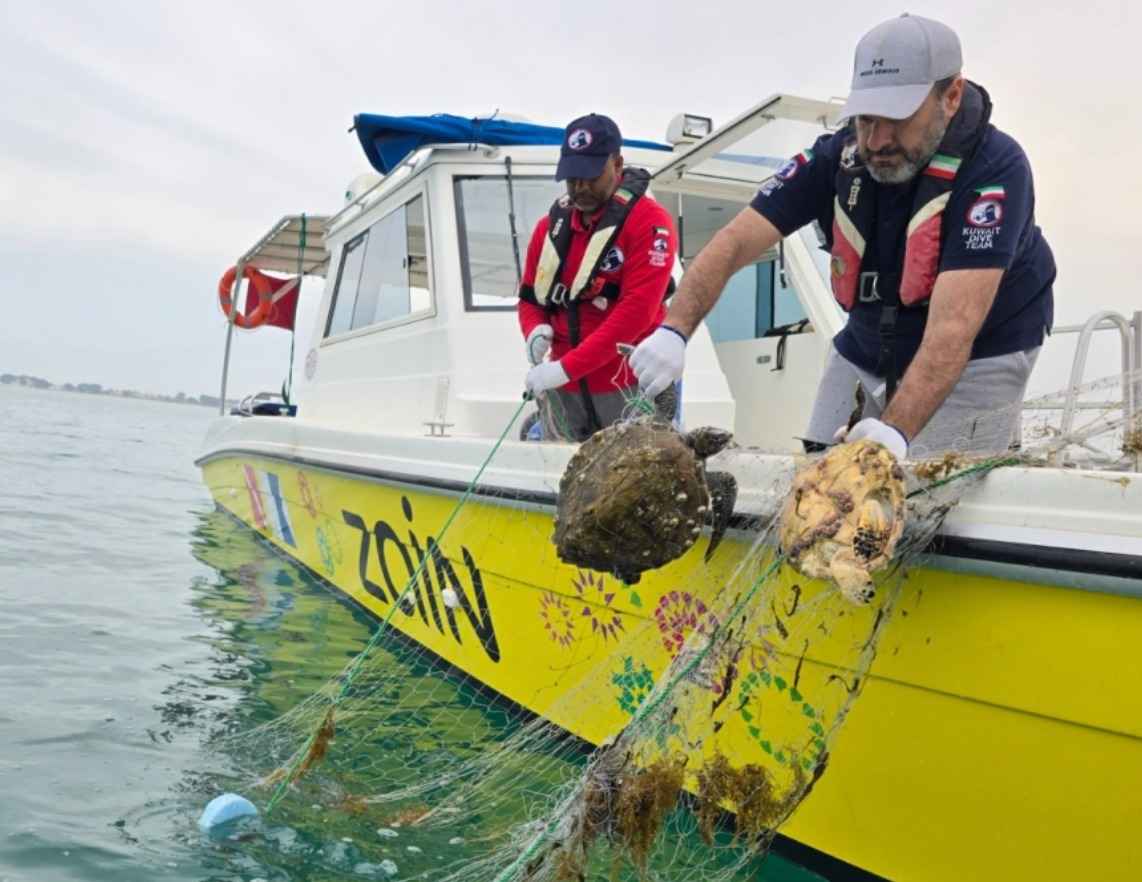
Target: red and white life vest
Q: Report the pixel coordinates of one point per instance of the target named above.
(855, 209)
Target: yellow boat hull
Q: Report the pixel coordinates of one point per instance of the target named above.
(997, 735)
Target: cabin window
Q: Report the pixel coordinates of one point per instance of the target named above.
(487, 258)
(383, 274)
(754, 304)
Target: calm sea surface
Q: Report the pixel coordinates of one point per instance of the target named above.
(136, 623)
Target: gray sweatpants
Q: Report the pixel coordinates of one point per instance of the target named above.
(565, 418)
(981, 415)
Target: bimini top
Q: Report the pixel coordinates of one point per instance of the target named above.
(387, 140)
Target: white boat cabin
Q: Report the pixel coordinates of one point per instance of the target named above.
(417, 333)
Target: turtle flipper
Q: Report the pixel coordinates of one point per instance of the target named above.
(723, 494)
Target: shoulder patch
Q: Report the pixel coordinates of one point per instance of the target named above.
(791, 168)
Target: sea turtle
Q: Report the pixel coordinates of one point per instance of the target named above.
(843, 517)
(636, 494)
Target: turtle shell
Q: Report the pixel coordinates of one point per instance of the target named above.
(633, 498)
(843, 517)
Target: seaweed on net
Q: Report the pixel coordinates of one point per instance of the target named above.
(747, 791)
(645, 797)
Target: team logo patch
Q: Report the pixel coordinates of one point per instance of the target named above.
(985, 213)
(660, 245)
(788, 170)
(612, 260)
(579, 139)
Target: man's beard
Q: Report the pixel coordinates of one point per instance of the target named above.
(911, 162)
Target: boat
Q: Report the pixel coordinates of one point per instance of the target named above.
(999, 731)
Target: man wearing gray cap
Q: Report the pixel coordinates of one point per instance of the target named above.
(927, 211)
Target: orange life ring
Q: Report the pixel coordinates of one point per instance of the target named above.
(259, 286)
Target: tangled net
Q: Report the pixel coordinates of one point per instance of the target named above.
(704, 707)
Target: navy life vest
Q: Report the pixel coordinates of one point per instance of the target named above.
(854, 220)
(854, 212)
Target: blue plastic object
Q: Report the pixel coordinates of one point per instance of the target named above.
(225, 808)
(387, 140)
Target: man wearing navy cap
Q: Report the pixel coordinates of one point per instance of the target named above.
(597, 272)
(928, 212)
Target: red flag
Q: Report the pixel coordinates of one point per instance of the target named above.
(284, 309)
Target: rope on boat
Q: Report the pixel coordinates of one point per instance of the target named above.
(301, 756)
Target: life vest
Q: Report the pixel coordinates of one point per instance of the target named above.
(854, 213)
(549, 290)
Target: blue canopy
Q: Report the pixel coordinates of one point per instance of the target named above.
(387, 140)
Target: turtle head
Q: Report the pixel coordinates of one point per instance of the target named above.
(706, 441)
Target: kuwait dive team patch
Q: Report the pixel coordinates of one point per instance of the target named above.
(987, 210)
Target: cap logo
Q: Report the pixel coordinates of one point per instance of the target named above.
(579, 139)
(876, 68)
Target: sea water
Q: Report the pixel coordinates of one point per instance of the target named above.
(138, 626)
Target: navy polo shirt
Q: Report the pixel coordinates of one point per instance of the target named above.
(989, 223)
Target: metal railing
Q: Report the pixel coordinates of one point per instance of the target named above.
(1130, 336)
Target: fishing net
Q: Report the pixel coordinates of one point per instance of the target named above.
(517, 718)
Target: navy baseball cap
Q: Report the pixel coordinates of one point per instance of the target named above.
(588, 142)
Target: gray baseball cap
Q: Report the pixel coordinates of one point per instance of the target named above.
(896, 64)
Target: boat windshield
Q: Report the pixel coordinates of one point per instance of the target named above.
(487, 254)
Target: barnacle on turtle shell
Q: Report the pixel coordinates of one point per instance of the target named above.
(635, 495)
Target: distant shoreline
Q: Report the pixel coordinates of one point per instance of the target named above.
(28, 381)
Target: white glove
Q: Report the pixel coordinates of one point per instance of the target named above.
(658, 360)
(874, 430)
(546, 375)
(538, 342)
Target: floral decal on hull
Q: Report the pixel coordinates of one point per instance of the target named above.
(592, 588)
(557, 619)
(678, 615)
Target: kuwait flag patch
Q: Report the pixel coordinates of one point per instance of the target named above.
(991, 191)
(943, 166)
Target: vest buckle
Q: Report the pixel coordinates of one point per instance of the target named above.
(867, 288)
(559, 294)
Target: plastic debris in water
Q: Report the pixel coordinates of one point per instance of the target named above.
(225, 808)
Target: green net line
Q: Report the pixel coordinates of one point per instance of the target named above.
(287, 387)
(662, 690)
(979, 468)
(362, 656)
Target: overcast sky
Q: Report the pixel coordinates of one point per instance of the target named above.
(146, 145)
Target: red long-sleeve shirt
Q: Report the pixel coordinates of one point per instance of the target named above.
(645, 247)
